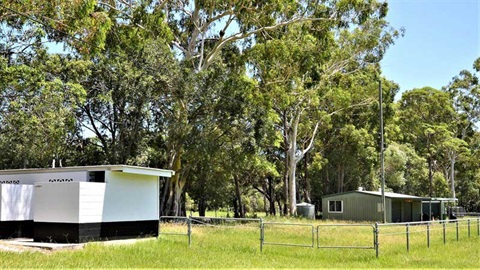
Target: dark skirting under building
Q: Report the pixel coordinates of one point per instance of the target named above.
(16, 229)
(87, 232)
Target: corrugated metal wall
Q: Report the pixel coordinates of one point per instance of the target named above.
(357, 207)
(365, 207)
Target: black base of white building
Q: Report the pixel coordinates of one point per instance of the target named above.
(87, 232)
(16, 229)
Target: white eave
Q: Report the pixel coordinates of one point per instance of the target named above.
(96, 168)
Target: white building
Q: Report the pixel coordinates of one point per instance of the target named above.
(80, 204)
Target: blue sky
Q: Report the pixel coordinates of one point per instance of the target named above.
(442, 37)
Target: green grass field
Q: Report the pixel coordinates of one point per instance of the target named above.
(239, 247)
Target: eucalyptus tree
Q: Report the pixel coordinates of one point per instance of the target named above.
(40, 94)
(349, 147)
(41, 89)
(468, 175)
(80, 24)
(136, 68)
(405, 169)
(465, 92)
(202, 30)
(425, 117)
(296, 69)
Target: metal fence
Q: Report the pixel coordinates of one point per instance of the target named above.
(353, 236)
(286, 242)
(321, 230)
(428, 230)
(177, 221)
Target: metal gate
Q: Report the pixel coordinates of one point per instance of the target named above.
(262, 235)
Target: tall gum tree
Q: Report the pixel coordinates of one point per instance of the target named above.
(202, 29)
(425, 117)
(294, 67)
(39, 97)
(465, 92)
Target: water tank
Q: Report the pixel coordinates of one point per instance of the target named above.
(306, 210)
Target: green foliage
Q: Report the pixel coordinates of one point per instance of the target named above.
(40, 97)
(79, 23)
(240, 98)
(395, 165)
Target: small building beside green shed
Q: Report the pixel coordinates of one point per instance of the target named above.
(438, 207)
(363, 205)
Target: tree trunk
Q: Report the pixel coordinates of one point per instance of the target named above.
(326, 187)
(293, 158)
(292, 165)
(430, 177)
(238, 196)
(339, 178)
(292, 185)
(286, 172)
(308, 187)
(202, 207)
(172, 196)
(271, 192)
(177, 199)
(279, 205)
(165, 191)
(452, 172)
(235, 208)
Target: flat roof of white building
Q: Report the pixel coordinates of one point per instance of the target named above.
(95, 168)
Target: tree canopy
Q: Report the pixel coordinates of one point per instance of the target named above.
(256, 105)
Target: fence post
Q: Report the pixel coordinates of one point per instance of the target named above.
(457, 228)
(478, 226)
(428, 234)
(374, 237)
(318, 236)
(159, 226)
(261, 234)
(376, 243)
(444, 233)
(468, 221)
(313, 236)
(408, 237)
(189, 225)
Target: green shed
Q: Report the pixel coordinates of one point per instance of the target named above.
(367, 206)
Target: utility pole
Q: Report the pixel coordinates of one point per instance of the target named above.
(382, 155)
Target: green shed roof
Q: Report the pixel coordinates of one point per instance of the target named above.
(379, 193)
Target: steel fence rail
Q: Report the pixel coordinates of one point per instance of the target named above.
(220, 222)
(189, 227)
(437, 226)
(262, 234)
(346, 225)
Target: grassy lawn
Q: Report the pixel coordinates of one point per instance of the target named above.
(239, 247)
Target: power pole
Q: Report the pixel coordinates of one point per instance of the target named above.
(382, 149)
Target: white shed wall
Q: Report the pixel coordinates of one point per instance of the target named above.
(16, 202)
(32, 178)
(92, 196)
(130, 197)
(124, 197)
(56, 202)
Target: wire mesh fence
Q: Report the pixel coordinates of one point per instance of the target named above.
(377, 236)
(425, 233)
